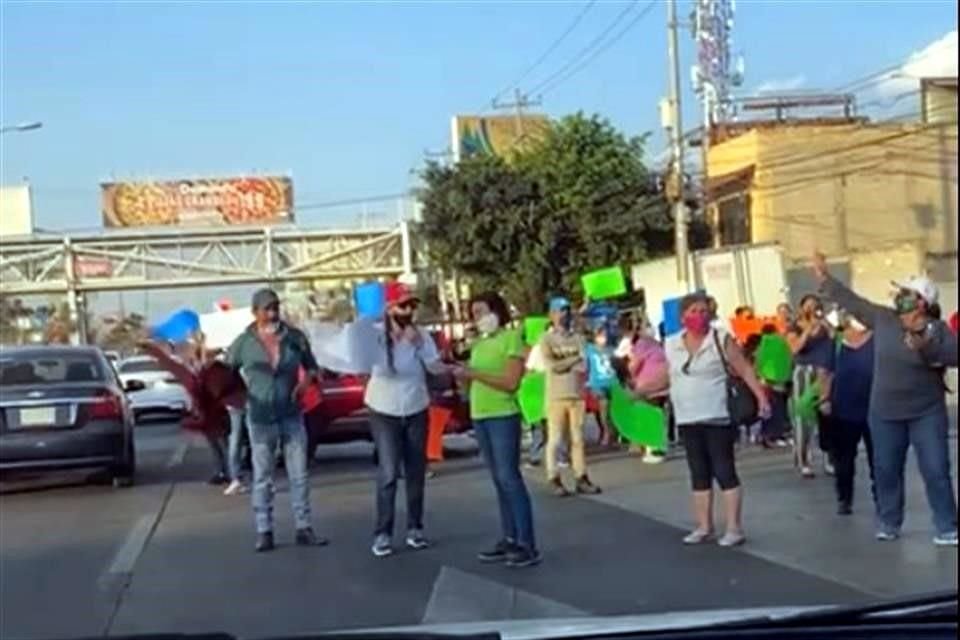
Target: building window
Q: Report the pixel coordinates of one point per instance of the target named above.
(734, 220)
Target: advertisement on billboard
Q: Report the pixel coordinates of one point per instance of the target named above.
(495, 135)
(16, 211)
(208, 201)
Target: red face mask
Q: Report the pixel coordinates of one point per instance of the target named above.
(697, 323)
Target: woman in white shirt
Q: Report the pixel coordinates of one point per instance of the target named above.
(698, 394)
(398, 398)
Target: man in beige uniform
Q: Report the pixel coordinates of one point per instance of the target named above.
(562, 350)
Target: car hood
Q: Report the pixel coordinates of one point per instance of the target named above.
(587, 626)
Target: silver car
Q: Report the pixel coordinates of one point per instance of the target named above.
(63, 407)
(161, 395)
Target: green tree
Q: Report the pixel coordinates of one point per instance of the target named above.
(579, 199)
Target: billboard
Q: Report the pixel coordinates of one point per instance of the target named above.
(16, 211)
(495, 135)
(208, 201)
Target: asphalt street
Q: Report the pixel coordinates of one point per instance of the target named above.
(80, 558)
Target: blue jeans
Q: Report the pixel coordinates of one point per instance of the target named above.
(401, 444)
(499, 440)
(928, 435)
(291, 435)
(235, 443)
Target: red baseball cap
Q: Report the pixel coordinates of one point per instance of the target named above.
(398, 293)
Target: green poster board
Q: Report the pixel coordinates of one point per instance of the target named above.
(530, 397)
(774, 360)
(604, 283)
(639, 422)
(533, 328)
(805, 407)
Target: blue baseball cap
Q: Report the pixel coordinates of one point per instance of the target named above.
(559, 304)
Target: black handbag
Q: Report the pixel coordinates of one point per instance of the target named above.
(741, 403)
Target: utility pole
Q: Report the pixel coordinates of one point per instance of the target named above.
(675, 180)
(520, 102)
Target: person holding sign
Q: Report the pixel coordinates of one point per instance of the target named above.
(701, 359)
(562, 350)
(494, 373)
(398, 398)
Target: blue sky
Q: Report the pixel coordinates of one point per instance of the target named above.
(346, 96)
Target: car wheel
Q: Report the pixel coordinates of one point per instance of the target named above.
(123, 473)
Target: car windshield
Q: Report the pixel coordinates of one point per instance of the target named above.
(139, 366)
(42, 369)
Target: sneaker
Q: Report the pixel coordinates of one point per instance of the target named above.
(732, 539)
(698, 537)
(307, 538)
(586, 487)
(498, 553)
(653, 458)
(563, 464)
(416, 540)
(382, 546)
(264, 542)
(234, 488)
(828, 468)
(220, 478)
(557, 488)
(521, 557)
(945, 539)
(807, 473)
(886, 536)
(844, 508)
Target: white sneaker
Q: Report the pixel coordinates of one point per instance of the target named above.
(382, 546)
(416, 540)
(945, 539)
(698, 537)
(731, 539)
(653, 458)
(888, 536)
(234, 488)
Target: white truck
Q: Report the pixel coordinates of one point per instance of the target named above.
(738, 275)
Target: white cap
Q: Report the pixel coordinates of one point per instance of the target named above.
(922, 286)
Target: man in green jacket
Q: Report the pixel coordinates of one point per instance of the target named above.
(269, 355)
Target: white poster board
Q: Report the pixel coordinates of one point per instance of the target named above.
(221, 328)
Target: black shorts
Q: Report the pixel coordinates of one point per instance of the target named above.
(710, 457)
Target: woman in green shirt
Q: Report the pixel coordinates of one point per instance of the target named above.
(494, 373)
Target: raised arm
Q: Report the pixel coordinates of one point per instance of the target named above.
(862, 309)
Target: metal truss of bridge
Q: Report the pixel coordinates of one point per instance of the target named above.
(129, 260)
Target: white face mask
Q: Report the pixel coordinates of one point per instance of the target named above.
(270, 328)
(488, 323)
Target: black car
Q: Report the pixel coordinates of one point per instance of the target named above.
(62, 407)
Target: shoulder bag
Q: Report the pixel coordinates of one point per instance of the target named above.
(741, 403)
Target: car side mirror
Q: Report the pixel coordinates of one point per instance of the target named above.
(134, 385)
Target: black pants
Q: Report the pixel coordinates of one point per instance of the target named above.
(845, 439)
(709, 450)
(778, 424)
(401, 444)
(218, 447)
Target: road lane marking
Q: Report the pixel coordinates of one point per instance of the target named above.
(136, 540)
(176, 458)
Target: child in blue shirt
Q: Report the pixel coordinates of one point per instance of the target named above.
(600, 377)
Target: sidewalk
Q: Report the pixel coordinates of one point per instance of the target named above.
(793, 522)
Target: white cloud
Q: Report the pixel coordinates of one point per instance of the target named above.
(937, 59)
(782, 85)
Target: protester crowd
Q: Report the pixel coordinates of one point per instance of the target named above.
(807, 380)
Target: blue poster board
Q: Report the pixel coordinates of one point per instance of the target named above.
(369, 299)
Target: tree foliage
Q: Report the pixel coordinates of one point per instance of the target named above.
(580, 199)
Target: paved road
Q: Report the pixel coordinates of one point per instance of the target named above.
(172, 554)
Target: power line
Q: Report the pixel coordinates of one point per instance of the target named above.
(546, 54)
(587, 49)
(583, 65)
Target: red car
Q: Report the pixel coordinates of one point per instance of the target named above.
(340, 415)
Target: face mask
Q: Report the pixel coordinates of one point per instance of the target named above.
(488, 323)
(905, 303)
(403, 320)
(696, 323)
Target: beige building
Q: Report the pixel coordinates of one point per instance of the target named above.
(843, 185)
